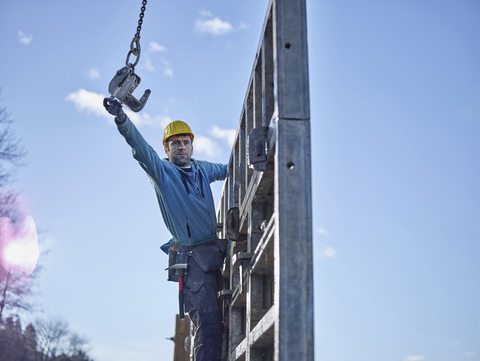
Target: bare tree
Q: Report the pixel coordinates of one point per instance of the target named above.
(12, 152)
(30, 342)
(10, 206)
(77, 345)
(54, 341)
(17, 291)
(45, 340)
(11, 341)
(52, 337)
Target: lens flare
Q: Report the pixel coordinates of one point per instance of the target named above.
(18, 246)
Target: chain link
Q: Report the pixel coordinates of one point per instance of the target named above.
(135, 44)
(140, 20)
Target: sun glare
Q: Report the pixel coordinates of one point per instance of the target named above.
(21, 250)
(21, 253)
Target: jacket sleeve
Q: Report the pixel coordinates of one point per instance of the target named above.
(146, 156)
(215, 171)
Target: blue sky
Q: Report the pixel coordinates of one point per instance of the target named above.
(395, 89)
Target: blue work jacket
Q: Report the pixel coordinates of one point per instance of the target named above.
(186, 202)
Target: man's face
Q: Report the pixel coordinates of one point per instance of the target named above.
(179, 150)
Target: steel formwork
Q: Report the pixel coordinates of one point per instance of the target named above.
(265, 207)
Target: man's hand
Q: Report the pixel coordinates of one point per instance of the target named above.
(115, 108)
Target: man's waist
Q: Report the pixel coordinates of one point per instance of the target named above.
(177, 244)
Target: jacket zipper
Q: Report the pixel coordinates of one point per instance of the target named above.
(196, 184)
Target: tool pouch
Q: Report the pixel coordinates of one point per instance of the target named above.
(210, 256)
(174, 258)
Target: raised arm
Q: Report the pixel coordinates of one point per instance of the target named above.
(146, 156)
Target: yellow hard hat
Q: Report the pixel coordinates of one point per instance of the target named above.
(174, 128)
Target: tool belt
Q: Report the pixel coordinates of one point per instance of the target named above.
(209, 256)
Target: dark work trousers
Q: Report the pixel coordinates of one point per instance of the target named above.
(200, 297)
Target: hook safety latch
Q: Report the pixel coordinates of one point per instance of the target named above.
(122, 86)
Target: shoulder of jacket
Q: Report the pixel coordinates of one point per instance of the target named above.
(169, 165)
(201, 163)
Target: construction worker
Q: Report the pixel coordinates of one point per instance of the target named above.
(182, 187)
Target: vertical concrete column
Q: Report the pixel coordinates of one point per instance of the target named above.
(293, 235)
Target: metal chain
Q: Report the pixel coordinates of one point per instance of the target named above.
(140, 20)
(135, 44)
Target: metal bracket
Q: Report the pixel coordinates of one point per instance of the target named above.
(232, 223)
(122, 86)
(225, 294)
(258, 149)
(241, 259)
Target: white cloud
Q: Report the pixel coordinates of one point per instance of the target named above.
(148, 65)
(213, 26)
(329, 252)
(93, 74)
(205, 146)
(167, 68)
(92, 103)
(89, 102)
(414, 358)
(321, 250)
(23, 38)
(469, 353)
(243, 26)
(155, 47)
(205, 12)
(141, 119)
(323, 232)
(226, 134)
